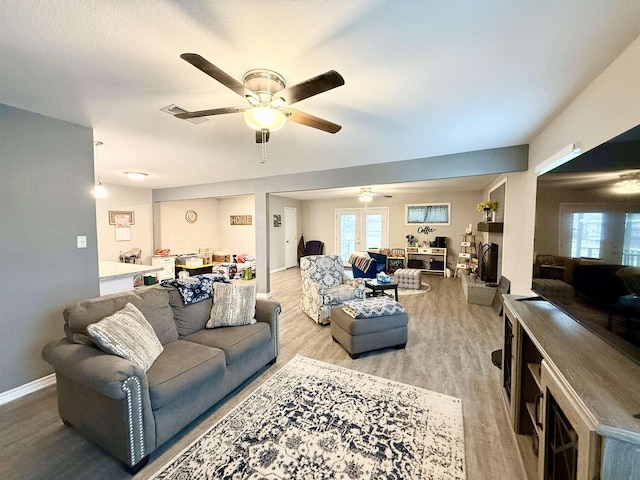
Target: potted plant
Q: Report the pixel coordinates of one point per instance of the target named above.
(487, 209)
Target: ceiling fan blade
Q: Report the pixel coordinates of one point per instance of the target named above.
(259, 136)
(208, 113)
(312, 121)
(309, 88)
(217, 74)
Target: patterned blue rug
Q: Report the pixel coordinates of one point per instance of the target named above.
(314, 420)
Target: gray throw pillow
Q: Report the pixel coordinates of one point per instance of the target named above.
(127, 333)
(234, 304)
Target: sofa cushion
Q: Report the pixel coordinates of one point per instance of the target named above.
(235, 341)
(153, 303)
(188, 318)
(233, 304)
(127, 334)
(181, 365)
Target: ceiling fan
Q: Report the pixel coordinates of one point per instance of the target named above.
(268, 96)
(367, 194)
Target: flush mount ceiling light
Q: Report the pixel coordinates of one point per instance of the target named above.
(137, 176)
(630, 183)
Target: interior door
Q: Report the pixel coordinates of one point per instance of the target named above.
(290, 237)
(358, 229)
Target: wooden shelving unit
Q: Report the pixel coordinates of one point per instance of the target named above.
(491, 227)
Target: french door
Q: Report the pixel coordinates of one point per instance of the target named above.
(358, 229)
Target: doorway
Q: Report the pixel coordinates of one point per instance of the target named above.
(290, 237)
(360, 228)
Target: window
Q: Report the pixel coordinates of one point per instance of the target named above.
(631, 247)
(586, 234)
(428, 213)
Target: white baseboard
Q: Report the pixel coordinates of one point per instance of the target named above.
(278, 269)
(21, 391)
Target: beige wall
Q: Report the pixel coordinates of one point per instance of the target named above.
(175, 233)
(609, 106)
(212, 229)
(319, 218)
(136, 200)
(236, 239)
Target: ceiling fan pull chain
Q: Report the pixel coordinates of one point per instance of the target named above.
(264, 146)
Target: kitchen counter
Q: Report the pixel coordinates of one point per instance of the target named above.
(118, 277)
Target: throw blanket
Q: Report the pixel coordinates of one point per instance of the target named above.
(361, 263)
(372, 307)
(197, 288)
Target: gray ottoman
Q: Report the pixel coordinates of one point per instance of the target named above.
(408, 278)
(359, 335)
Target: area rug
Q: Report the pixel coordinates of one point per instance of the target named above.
(424, 288)
(314, 420)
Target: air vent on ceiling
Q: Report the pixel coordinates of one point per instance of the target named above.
(173, 109)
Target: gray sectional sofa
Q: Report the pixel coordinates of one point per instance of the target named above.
(130, 412)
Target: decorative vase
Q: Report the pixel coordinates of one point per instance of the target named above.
(486, 215)
(493, 215)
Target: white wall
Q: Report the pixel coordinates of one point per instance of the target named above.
(277, 205)
(609, 106)
(128, 199)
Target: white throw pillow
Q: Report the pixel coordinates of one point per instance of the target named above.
(234, 304)
(127, 333)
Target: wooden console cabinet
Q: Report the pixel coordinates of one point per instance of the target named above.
(570, 397)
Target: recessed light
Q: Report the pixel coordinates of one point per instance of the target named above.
(137, 176)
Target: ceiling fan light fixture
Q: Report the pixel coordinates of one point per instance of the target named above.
(629, 183)
(365, 195)
(265, 118)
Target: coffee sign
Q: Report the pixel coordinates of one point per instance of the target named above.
(241, 219)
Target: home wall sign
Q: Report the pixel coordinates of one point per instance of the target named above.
(241, 220)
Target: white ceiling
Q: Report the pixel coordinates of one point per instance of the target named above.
(422, 78)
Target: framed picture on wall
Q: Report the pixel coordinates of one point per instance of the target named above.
(428, 213)
(121, 217)
(277, 220)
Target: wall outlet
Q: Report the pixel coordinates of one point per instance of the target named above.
(81, 240)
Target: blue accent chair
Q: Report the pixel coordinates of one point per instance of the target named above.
(378, 265)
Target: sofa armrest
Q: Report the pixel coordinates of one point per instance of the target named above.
(357, 283)
(268, 311)
(92, 368)
(105, 397)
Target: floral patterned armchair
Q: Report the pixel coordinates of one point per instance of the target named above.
(325, 285)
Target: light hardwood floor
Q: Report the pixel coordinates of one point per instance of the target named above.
(448, 351)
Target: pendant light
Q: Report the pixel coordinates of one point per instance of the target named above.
(98, 190)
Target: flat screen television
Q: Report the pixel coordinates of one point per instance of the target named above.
(587, 240)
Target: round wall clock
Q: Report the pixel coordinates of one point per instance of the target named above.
(191, 216)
